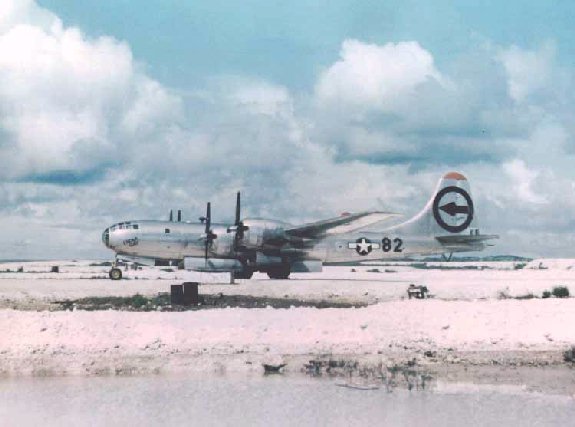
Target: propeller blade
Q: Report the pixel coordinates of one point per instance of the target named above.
(208, 217)
(238, 207)
(238, 225)
(209, 235)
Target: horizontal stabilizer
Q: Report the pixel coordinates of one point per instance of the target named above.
(465, 238)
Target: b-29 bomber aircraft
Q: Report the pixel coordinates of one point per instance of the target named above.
(447, 224)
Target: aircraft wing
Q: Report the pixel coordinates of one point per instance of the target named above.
(341, 224)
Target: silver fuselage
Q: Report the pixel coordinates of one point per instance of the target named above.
(167, 240)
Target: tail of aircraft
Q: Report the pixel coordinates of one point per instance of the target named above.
(449, 212)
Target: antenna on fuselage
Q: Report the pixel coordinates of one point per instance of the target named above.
(171, 215)
(179, 215)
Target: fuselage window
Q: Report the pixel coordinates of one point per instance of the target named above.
(136, 226)
(167, 230)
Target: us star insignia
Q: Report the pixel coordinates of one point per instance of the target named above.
(363, 246)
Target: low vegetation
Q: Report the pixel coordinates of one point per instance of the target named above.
(162, 302)
(560, 292)
(519, 266)
(569, 355)
(425, 266)
(556, 292)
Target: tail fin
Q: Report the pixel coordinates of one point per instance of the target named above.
(449, 211)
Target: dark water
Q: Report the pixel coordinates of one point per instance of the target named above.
(272, 400)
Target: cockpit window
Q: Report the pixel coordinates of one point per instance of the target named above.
(124, 226)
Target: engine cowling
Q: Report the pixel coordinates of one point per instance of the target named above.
(212, 264)
(260, 232)
(263, 261)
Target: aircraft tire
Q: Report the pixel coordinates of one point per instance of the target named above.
(244, 274)
(115, 274)
(281, 273)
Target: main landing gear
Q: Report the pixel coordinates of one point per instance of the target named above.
(279, 272)
(246, 273)
(274, 272)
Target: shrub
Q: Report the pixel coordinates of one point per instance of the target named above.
(569, 355)
(546, 294)
(560, 291)
(138, 301)
(503, 294)
(519, 266)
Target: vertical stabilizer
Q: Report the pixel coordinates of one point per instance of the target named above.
(449, 211)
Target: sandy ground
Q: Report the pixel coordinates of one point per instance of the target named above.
(79, 279)
(466, 330)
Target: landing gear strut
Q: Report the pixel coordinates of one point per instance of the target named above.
(115, 273)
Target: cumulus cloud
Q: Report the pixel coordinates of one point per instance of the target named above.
(68, 103)
(528, 71)
(389, 104)
(522, 179)
(372, 76)
(24, 12)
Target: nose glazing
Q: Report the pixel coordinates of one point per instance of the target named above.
(106, 237)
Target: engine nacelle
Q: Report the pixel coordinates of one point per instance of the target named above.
(212, 264)
(267, 261)
(299, 266)
(307, 266)
(262, 231)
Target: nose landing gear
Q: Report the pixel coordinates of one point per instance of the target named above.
(115, 273)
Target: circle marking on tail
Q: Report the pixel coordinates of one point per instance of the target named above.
(452, 209)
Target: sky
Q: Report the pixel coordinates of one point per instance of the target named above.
(116, 110)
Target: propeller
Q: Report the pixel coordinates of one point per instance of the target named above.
(238, 226)
(210, 236)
